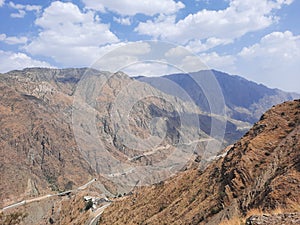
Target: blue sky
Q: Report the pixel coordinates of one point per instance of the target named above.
(257, 39)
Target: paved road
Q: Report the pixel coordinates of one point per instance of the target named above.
(200, 140)
(87, 184)
(131, 169)
(127, 171)
(150, 152)
(167, 147)
(47, 196)
(98, 213)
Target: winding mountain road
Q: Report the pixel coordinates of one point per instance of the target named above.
(47, 196)
(98, 213)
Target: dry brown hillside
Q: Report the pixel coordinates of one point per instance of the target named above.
(38, 151)
(262, 170)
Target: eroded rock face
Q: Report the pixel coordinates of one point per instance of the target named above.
(282, 219)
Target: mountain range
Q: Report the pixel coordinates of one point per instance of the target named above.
(61, 128)
(245, 100)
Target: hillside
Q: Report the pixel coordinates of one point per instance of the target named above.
(261, 171)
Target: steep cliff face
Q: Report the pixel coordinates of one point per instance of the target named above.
(259, 171)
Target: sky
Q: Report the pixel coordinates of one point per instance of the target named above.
(256, 39)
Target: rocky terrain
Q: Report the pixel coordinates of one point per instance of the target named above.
(288, 218)
(261, 171)
(62, 128)
(40, 153)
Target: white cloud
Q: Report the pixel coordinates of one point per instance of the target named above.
(150, 69)
(25, 7)
(219, 62)
(134, 48)
(191, 62)
(122, 20)
(283, 45)
(122, 55)
(22, 9)
(197, 46)
(13, 40)
(2, 2)
(33, 8)
(273, 61)
(176, 52)
(12, 61)
(69, 36)
(19, 14)
(129, 7)
(239, 18)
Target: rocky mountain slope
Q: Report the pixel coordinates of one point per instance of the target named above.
(261, 171)
(47, 140)
(245, 100)
(38, 151)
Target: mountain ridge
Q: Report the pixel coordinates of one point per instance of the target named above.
(245, 100)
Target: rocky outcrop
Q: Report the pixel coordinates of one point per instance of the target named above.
(283, 219)
(31, 188)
